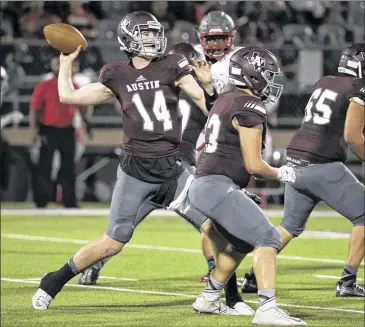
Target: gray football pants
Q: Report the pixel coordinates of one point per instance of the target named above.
(234, 215)
(131, 203)
(332, 183)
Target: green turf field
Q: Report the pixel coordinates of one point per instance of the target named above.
(159, 275)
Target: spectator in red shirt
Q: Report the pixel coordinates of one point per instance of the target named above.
(52, 124)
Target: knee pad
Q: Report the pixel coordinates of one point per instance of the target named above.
(269, 237)
(122, 233)
(359, 221)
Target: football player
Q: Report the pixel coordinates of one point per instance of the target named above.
(216, 33)
(235, 133)
(150, 175)
(317, 152)
(193, 121)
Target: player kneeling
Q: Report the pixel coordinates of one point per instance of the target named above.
(235, 132)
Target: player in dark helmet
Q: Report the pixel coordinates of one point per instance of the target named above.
(352, 61)
(318, 151)
(140, 33)
(256, 71)
(235, 136)
(193, 126)
(187, 50)
(150, 174)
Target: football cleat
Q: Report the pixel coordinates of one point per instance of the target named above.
(249, 284)
(236, 302)
(243, 309)
(344, 289)
(276, 316)
(216, 307)
(41, 300)
(89, 276)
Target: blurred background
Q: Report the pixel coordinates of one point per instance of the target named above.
(307, 37)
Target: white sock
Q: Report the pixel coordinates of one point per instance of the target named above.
(267, 298)
(213, 289)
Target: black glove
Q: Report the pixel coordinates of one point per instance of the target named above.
(89, 130)
(254, 197)
(210, 99)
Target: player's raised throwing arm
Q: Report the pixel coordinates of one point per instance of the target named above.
(87, 95)
(354, 124)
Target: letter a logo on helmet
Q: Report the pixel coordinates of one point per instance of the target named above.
(125, 23)
(256, 61)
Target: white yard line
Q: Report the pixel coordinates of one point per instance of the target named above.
(105, 212)
(119, 278)
(314, 234)
(101, 277)
(107, 288)
(333, 277)
(157, 247)
(24, 281)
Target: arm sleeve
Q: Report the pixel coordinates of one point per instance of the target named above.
(359, 95)
(37, 101)
(210, 99)
(250, 114)
(108, 77)
(179, 66)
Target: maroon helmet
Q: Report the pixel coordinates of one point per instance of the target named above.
(352, 60)
(187, 50)
(134, 37)
(216, 33)
(255, 68)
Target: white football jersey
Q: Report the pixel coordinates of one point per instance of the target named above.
(220, 69)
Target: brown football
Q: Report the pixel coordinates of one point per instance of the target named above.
(64, 37)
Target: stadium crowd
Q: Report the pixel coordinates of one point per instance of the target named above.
(257, 21)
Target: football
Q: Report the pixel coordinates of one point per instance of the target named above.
(64, 37)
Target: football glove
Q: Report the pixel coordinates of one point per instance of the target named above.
(254, 197)
(286, 175)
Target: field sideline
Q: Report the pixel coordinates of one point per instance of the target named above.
(155, 280)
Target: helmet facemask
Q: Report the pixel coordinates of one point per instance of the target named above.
(216, 44)
(142, 44)
(272, 91)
